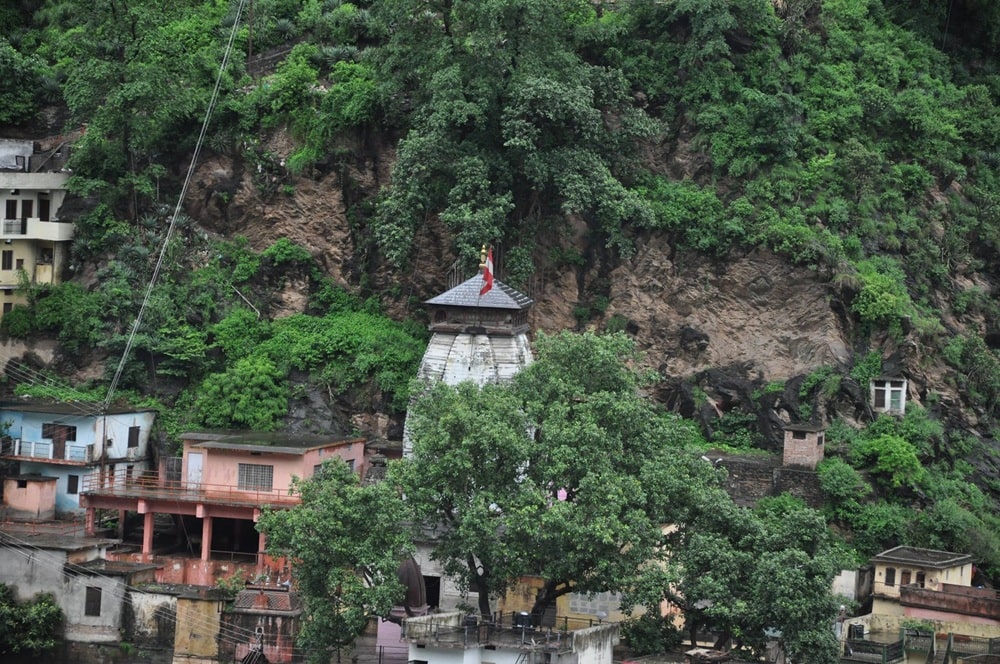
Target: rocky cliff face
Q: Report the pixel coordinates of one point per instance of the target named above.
(717, 331)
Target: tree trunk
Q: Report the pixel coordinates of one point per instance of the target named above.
(546, 596)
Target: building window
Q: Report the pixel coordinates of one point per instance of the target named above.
(799, 435)
(44, 208)
(22, 484)
(921, 579)
(8, 307)
(133, 436)
(93, 603)
(19, 264)
(890, 576)
(889, 395)
(72, 484)
(350, 465)
(10, 209)
(904, 578)
(7, 260)
(54, 431)
(27, 208)
(255, 477)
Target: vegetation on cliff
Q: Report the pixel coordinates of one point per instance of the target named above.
(855, 138)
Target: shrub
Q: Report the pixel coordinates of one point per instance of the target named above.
(843, 486)
(891, 458)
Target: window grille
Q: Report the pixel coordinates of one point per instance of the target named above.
(54, 431)
(256, 477)
(92, 606)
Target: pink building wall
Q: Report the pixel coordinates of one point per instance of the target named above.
(36, 499)
(221, 466)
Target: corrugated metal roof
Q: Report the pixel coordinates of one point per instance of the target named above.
(466, 294)
(267, 600)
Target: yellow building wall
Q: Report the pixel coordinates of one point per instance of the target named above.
(197, 631)
(960, 575)
(576, 607)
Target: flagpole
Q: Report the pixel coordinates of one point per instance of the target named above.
(486, 263)
(482, 267)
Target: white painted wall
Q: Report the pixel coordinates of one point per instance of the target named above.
(43, 571)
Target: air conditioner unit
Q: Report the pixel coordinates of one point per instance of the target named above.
(133, 454)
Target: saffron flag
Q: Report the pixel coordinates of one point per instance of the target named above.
(487, 273)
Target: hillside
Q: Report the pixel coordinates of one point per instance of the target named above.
(777, 200)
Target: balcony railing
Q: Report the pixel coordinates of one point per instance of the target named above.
(511, 629)
(871, 651)
(45, 450)
(149, 485)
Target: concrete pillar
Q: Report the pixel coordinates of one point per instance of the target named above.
(90, 523)
(206, 538)
(147, 535)
(261, 546)
(121, 523)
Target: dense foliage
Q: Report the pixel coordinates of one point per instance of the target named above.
(857, 138)
(566, 458)
(31, 627)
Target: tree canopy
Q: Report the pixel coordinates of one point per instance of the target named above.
(510, 120)
(567, 458)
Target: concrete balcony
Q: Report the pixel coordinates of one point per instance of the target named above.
(33, 228)
(46, 450)
(151, 487)
(44, 181)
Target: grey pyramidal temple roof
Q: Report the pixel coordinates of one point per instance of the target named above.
(466, 294)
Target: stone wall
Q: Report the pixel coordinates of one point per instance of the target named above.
(800, 483)
(751, 479)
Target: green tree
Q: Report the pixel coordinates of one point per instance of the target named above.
(843, 485)
(346, 542)
(20, 76)
(139, 75)
(747, 571)
(252, 394)
(508, 121)
(568, 457)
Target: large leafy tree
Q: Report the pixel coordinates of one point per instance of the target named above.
(511, 119)
(346, 541)
(139, 76)
(566, 473)
(747, 572)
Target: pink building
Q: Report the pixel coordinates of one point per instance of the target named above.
(198, 513)
(29, 498)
